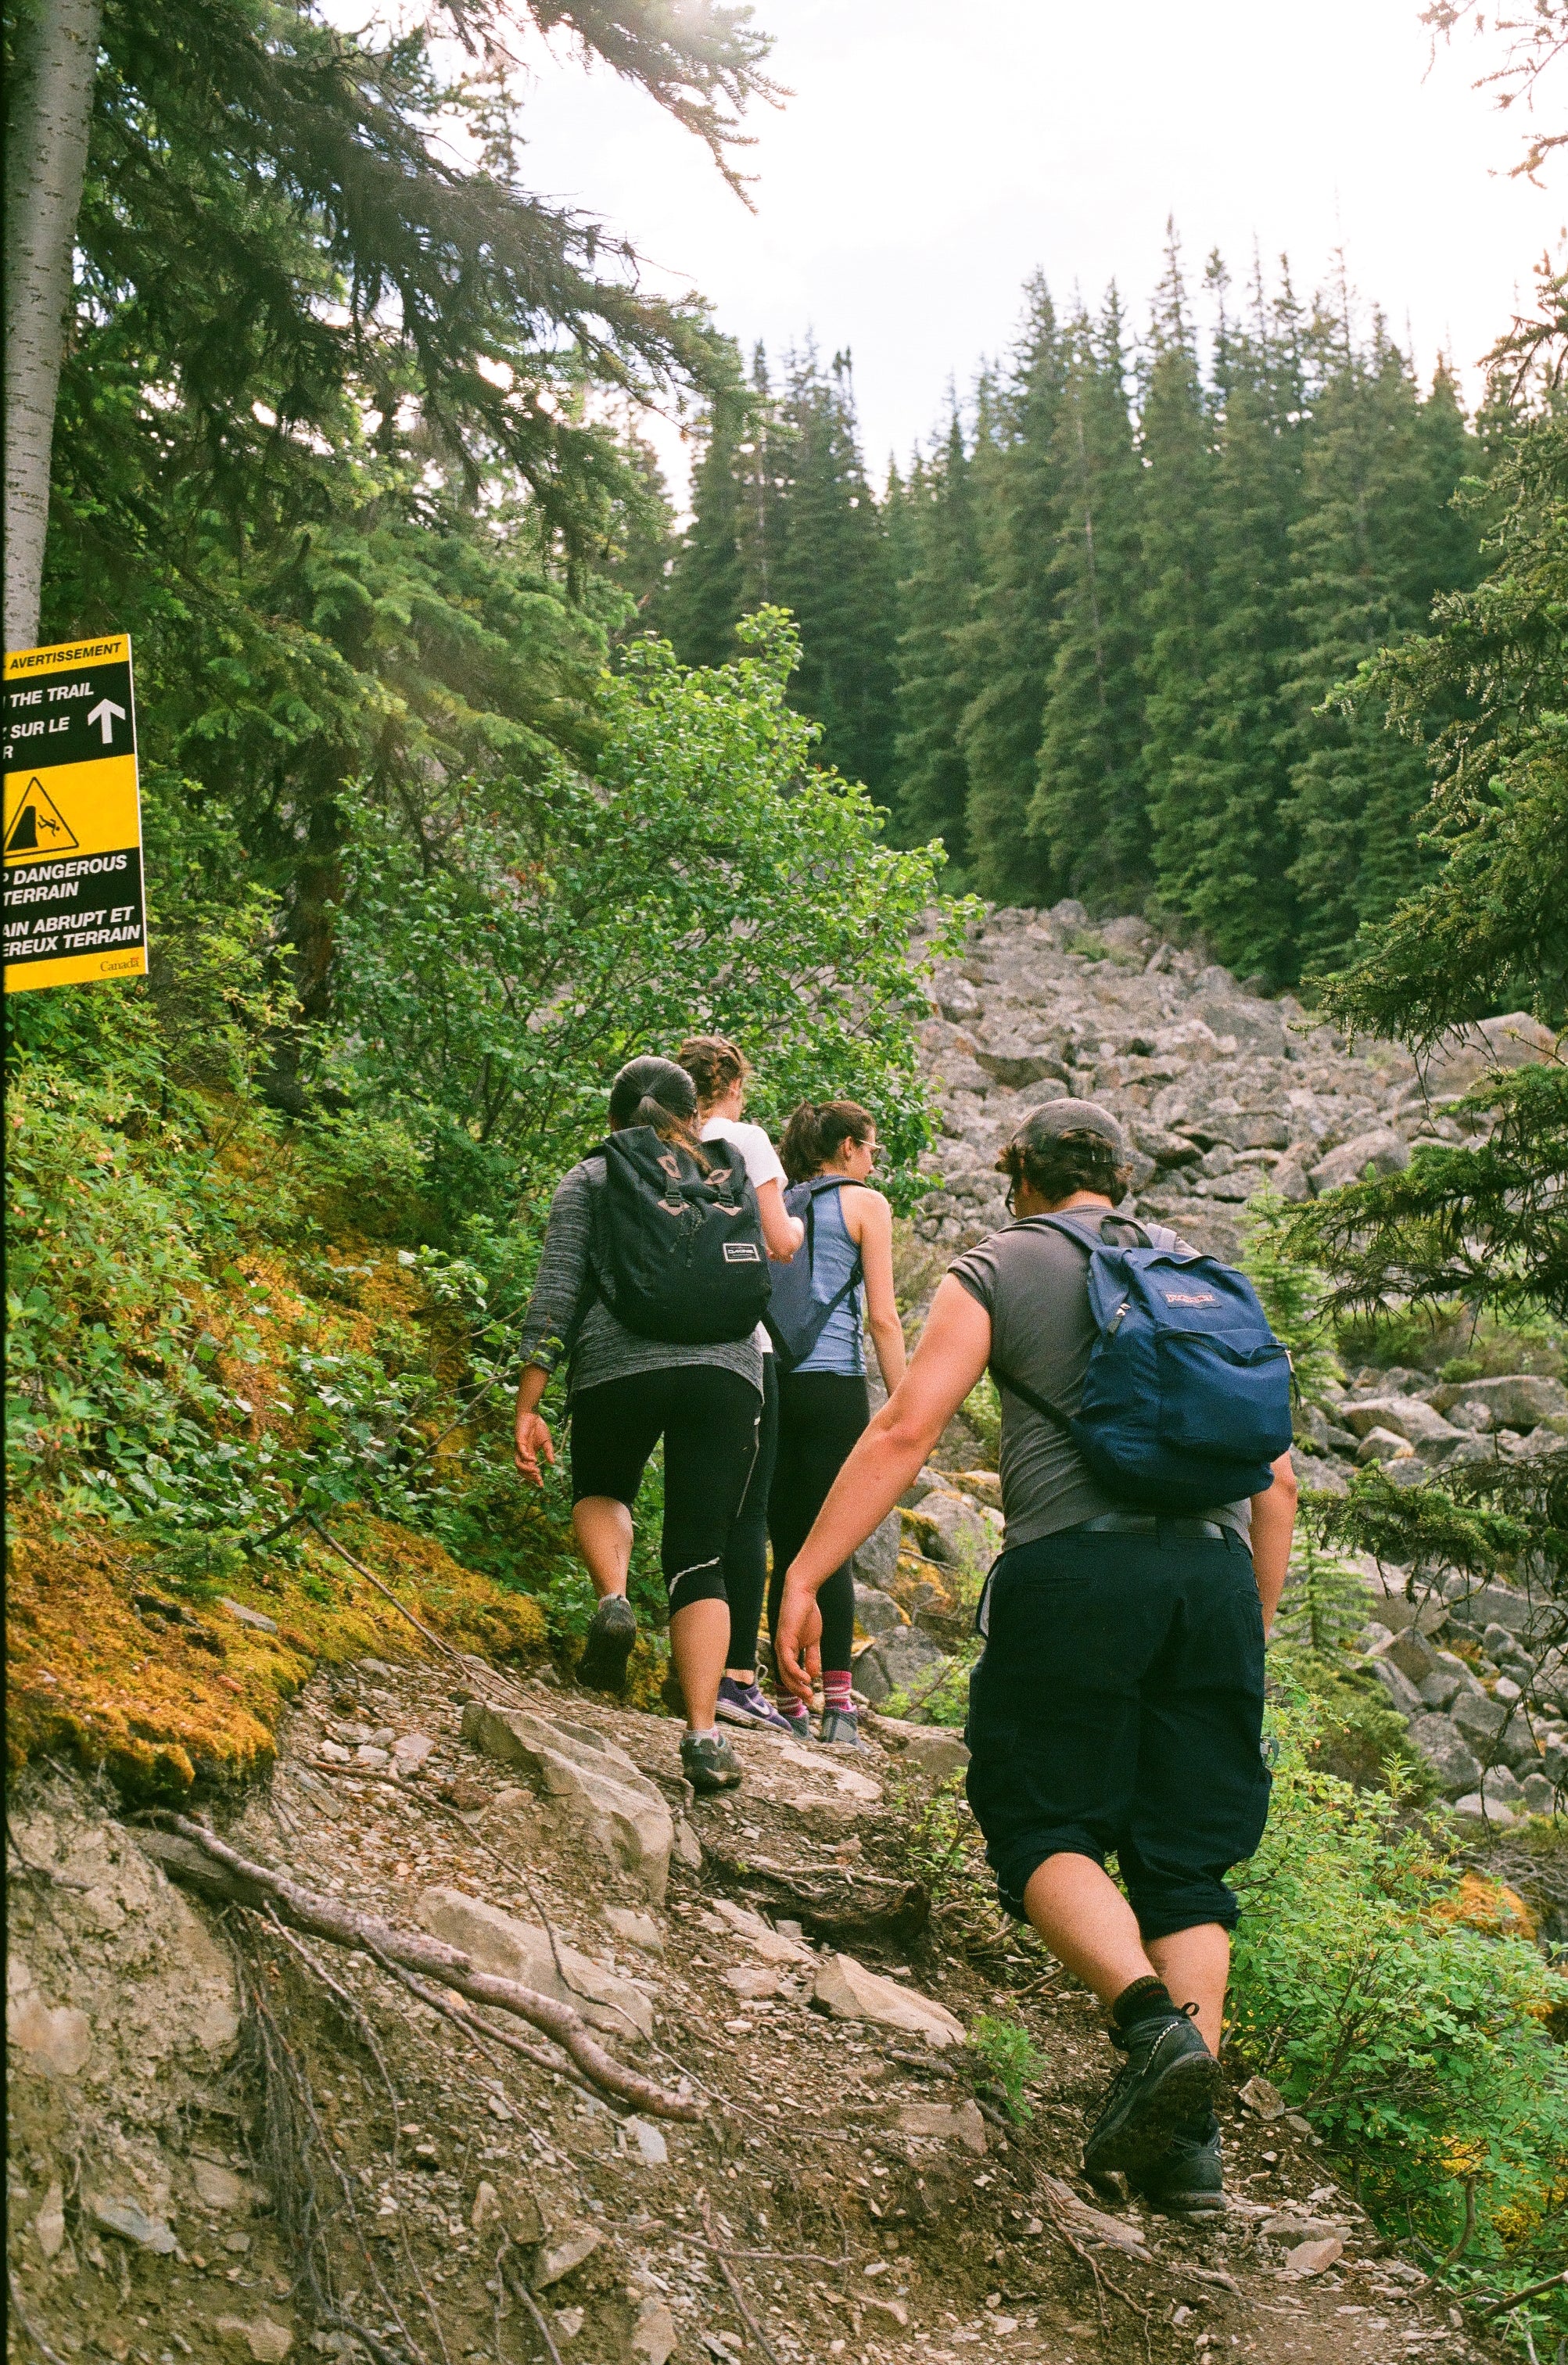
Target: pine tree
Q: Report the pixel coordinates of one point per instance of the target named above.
(701, 603)
(831, 572)
(1376, 540)
(1226, 854)
(1088, 808)
(939, 526)
(1006, 652)
(1177, 443)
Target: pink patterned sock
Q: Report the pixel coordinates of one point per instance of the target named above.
(836, 1691)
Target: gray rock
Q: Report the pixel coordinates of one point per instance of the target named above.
(878, 1558)
(935, 1747)
(955, 1530)
(593, 1784)
(1474, 1808)
(1479, 1719)
(1500, 1788)
(1384, 1445)
(1517, 1401)
(1402, 1692)
(1311, 1470)
(1439, 1689)
(1382, 1150)
(876, 1613)
(509, 1949)
(903, 1658)
(130, 2223)
(255, 1619)
(1446, 1751)
(1412, 1653)
(1407, 1417)
(1462, 1057)
(1539, 1795)
(1494, 1605)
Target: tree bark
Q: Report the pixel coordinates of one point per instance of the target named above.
(50, 118)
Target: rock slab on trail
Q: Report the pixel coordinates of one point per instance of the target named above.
(588, 1780)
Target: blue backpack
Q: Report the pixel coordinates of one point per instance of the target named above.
(795, 1320)
(1187, 1398)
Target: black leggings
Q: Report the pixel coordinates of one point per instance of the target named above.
(709, 1420)
(821, 1414)
(745, 1555)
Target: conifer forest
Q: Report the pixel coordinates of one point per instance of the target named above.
(529, 673)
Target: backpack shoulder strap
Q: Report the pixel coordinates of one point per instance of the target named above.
(1081, 1237)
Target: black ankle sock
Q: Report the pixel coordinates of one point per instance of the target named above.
(1134, 2003)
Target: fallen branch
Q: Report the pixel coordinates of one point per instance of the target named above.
(483, 2031)
(1516, 2298)
(222, 1871)
(507, 2273)
(721, 2259)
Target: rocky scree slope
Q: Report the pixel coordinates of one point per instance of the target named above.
(1224, 1092)
(231, 2140)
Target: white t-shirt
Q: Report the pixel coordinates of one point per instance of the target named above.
(762, 1165)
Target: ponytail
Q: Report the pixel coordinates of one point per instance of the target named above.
(816, 1131)
(661, 1095)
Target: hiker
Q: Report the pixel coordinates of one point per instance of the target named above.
(829, 1151)
(651, 1284)
(1118, 1702)
(720, 1071)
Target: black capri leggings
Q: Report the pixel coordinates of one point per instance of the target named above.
(709, 1420)
(745, 1555)
(821, 1414)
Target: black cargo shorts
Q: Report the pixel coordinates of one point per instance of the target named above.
(1118, 1709)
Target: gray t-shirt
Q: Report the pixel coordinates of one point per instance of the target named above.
(1034, 1283)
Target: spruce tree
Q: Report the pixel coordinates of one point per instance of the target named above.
(938, 525)
(831, 572)
(1088, 809)
(1376, 540)
(1006, 652)
(1177, 443)
(1225, 853)
(700, 606)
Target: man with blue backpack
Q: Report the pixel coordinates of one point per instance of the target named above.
(1117, 1706)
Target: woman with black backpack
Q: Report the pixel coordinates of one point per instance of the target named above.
(829, 1151)
(650, 1286)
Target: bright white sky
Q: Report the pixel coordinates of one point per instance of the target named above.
(934, 154)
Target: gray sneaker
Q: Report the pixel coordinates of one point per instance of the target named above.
(840, 1728)
(709, 1763)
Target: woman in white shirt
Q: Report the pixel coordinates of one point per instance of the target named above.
(720, 1071)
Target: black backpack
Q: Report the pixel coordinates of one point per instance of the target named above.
(680, 1253)
(795, 1320)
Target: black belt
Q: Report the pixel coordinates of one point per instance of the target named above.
(1146, 1523)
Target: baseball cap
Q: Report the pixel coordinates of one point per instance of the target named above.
(1053, 1118)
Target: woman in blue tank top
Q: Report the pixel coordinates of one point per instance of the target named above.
(823, 1404)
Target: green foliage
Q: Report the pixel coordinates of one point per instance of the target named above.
(943, 1696)
(1011, 2056)
(1357, 1732)
(1295, 1297)
(1406, 2034)
(706, 876)
(1324, 1604)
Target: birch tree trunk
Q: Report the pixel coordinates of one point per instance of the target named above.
(50, 115)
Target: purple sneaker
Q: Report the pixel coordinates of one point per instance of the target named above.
(744, 1704)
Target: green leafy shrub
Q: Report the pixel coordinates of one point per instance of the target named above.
(1013, 2058)
(1410, 2038)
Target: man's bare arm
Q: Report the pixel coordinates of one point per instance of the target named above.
(953, 1351)
(1273, 1524)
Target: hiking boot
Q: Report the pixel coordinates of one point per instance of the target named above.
(746, 1704)
(1167, 2082)
(709, 1763)
(1188, 2178)
(840, 1728)
(602, 1666)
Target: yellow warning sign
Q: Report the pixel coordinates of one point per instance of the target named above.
(75, 909)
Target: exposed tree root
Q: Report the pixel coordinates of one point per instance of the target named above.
(204, 1862)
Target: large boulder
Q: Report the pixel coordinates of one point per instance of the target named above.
(875, 1612)
(509, 1949)
(593, 1785)
(878, 1558)
(1446, 1751)
(901, 1659)
(955, 1530)
(1464, 1055)
(1520, 1401)
(1381, 1150)
(1407, 1417)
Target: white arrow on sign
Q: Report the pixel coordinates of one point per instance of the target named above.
(103, 715)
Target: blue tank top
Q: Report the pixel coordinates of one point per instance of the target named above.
(834, 1258)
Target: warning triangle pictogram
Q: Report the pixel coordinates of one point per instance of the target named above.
(38, 827)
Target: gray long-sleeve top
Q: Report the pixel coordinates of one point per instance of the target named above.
(604, 1348)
